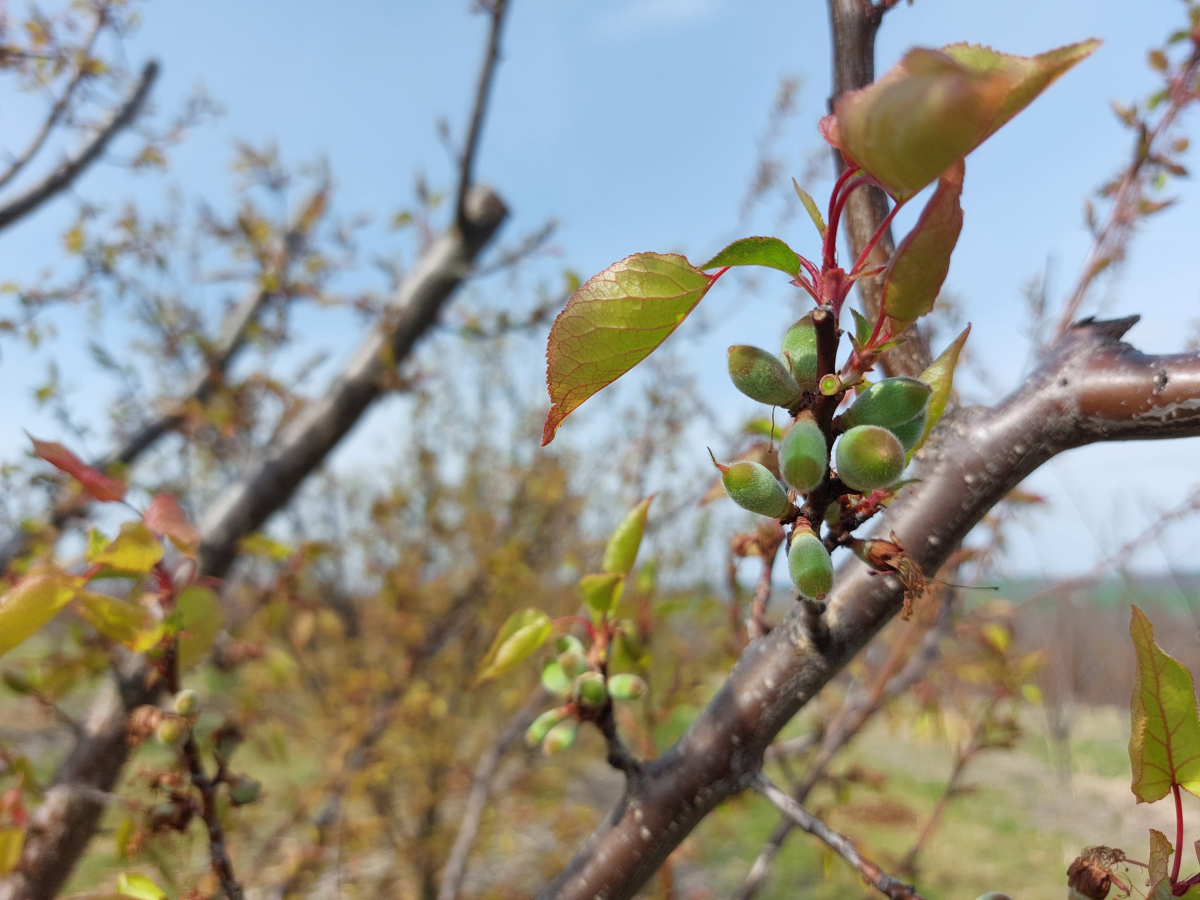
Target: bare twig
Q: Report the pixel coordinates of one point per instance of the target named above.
(496, 9)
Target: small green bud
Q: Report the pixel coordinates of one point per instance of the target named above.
(803, 455)
(226, 740)
(869, 457)
(172, 731)
(910, 432)
(626, 687)
(752, 486)
(555, 680)
(243, 789)
(187, 702)
(800, 352)
(810, 566)
(761, 376)
(573, 662)
(590, 689)
(561, 736)
(542, 724)
(889, 403)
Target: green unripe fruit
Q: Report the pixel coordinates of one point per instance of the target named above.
(910, 432)
(800, 352)
(573, 662)
(171, 731)
(803, 455)
(187, 702)
(243, 789)
(869, 457)
(590, 689)
(752, 486)
(555, 680)
(569, 642)
(889, 403)
(561, 736)
(542, 724)
(810, 566)
(626, 687)
(761, 376)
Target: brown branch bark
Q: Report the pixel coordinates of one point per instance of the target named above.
(1091, 388)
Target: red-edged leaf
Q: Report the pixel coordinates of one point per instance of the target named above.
(613, 322)
(166, 518)
(95, 482)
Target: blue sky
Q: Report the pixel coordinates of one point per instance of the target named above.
(634, 123)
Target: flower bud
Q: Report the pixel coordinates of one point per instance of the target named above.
(761, 376)
(542, 724)
(187, 702)
(803, 454)
(561, 736)
(590, 689)
(889, 403)
(752, 486)
(555, 680)
(800, 352)
(910, 432)
(626, 687)
(810, 566)
(243, 789)
(869, 457)
(172, 731)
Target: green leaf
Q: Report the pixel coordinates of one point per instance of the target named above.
(612, 323)
(555, 680)
(810, 205)
(118, 620)
(258, 544)
(134, 884)
(200, 621)
(135, 550)
(12, 840)
(1160, 857)
(600, 592)
(623, 543)
(862, 328)
(1164, 741)
(915, 273)
(764, 427)
(97, 541)
(521, 634)
(33, 602)
(758, 251)
(940, 377)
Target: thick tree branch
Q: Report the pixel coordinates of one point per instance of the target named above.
(72, 167)
(1092, 387)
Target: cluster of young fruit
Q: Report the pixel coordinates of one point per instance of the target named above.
(886, 420)
(174, 730)
(571, 676)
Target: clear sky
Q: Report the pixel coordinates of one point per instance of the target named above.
(634, 122)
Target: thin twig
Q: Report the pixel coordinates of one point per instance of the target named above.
(465, 170)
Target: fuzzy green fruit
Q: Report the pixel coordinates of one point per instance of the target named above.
(869, 457)
(561, 736)
(626, 687)
(800, 352)
(752, 486)
(590, 689)
(803, 455)
(542, 724)
(910, 432)
(761, 376)
(889, 403)
(810, 566)
(187, 702)
(172, 731)
(243, 789)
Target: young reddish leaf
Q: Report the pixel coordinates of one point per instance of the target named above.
(612, 323)
(33, 602)
(600, 592)
(623, 543)
(521, 634)
(1164, 743)
(200, 622)
(915, 273)
(95, 482)
(135, 550)
(116, 619)
(810, 206)
(758, 251)
(1159, 866)
(166, 518)
(940, 377)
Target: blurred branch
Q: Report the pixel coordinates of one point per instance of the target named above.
(496, 9)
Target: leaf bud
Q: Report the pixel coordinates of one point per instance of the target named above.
(803, 454)
(243, 789)
(889, 403)
(800, 352)
(869, 457)
(810, 566)
(590, 689)
(752, 486)
(626, 686)
(172, 731)
(555, 680)
(561, 736)
(542, 724)
(187, 702)
(761, 376)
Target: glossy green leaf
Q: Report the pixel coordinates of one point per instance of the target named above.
(521, 634)
(1159, 867)
(200, 622)
(1164, 741)
(117, 619)
(31, 603)
(915, 273)
(139, 886)
(940, 377)
(135, 550)
(810, 206)
(623, 543)
(612, 323)
(600, 592)
(769, 252)
(862, 328)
